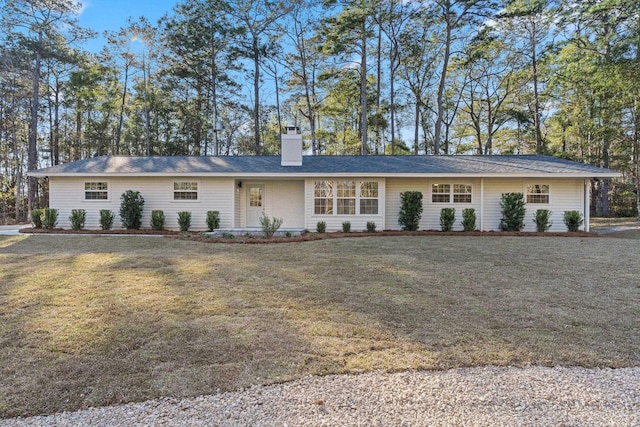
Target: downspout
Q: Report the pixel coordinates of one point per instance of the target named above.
(587, 206)
(481, 204)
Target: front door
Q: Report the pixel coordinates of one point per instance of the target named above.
(255, 204)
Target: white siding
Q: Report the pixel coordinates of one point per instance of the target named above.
(564, 195)
(67, 193)
(430, 219)
(334, 222)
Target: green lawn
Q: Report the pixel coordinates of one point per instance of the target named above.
(88, 320)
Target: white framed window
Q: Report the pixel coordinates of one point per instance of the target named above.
(98, 190)
(538, 194)
(451, 193)
(461, 193)
(369, 198)
(323, 198)
(440, 193)
(346, 197)
(185, 191)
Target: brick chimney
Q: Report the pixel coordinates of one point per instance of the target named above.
(291, 150)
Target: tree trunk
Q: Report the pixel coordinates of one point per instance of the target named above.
(441, 84)
(256, 95)
(123, 101)
(363, 90)
(32, 159)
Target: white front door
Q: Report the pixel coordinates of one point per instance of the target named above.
(255, 204)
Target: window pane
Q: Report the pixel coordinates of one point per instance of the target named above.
(185, 195)
(323, 189)
(185, 186)
(323, 206)
(346, 206)
(96, 191)
(440, 193)
(346, 189)
(255, 197)
(368, 206)
(369, 189)
(462, 198)
(461, 193)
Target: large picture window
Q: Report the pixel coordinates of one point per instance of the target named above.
(346, 197)
(538, 193)
(451, 193)
(96, 191)
(185, 190)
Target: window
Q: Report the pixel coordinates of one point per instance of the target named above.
(323, 198)
(448, 193)
(461, 193)
(538, 193)
(440, 193)
(369, 198)
(185, 190)
(346, 198)
(96, 191)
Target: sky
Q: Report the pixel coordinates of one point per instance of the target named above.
(111, 15)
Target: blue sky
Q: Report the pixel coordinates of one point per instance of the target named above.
(103, 15)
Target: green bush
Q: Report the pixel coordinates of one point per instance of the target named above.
(542, 220)
(49, 218)
(573, 220)
(106, 219)
(270, 225)
(371, 226)
(346, 226)
(469, 219)
(157, 220)
(77, 218)
(213, 220)
(321, 227)
(36, 217)
(131, 206)
(184, 220)
(513, 212)
(447, 218)
(410, 210)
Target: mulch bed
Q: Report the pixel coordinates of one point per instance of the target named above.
(305, 237)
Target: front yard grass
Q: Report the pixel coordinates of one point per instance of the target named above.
(88, 320)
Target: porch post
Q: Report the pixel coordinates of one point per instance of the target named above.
(481, 204)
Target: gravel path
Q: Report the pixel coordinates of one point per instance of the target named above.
(491, 396)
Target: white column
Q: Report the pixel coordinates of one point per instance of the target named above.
(481, 204)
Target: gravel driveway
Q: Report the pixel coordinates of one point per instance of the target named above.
(490, 396)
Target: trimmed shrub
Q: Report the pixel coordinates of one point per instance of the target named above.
(213, 220)
(573, 220)
(106, 219)
(410, 210)
(49, 218)
(36, 217)
(321, 227)
(157, 220)
(270, 225)
(184, 220)
(346, 226)
(542, 220)
(513, 212)
(77, 218)
(371, 226)
(469, 219)
(131, 206)
(447, 218)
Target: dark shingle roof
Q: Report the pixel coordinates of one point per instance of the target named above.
(525, 165)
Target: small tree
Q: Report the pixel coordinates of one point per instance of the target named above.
(513, 212)
(371, 226)
(131, 206)
(321, 227)
(78, 218)
(573, 220)
(346, 226)
(542, 220)
(447, 218)
(270, 225)
(106, 219)
(36, 217)
(49, 218)
(184, 220)
(410, 210)
(157, 220)
(469, 219)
